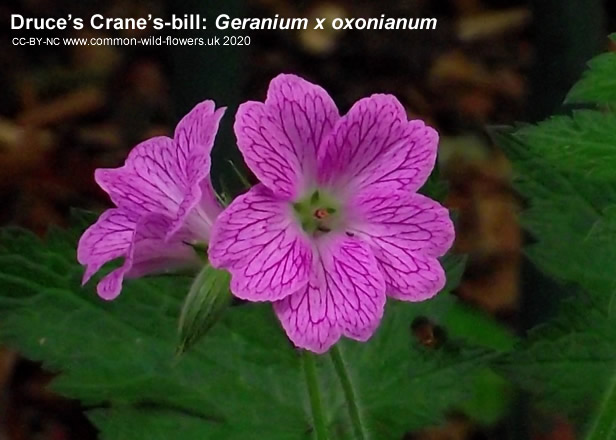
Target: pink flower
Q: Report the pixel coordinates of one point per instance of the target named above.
(165, 204)
(336, 222)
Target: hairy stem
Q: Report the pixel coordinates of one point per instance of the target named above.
(349, 393)
(312, 383)
(604, 424)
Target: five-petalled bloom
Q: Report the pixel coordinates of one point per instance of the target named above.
(165, 204)
(336, 223)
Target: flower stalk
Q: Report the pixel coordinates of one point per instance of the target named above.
(312, 383)
(349, 392)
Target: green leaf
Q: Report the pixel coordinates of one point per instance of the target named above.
(567, 363)
(244, 377)
(417, 386)
(569, 216)
(565, 168)
(583, 143)
(152, 423)
(122, 353)
(603, 426)
(598, 85)
(491, 400)
(404, 386)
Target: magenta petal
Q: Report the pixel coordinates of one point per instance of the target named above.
(345, 296)
(279, 139)
(374, 145)
(141, 243)
(107, 239)
(410, 276)
(407, 233)
(194, 138)
(162, 175)
(152, 253)
(259, 241)
(164, 199)
(407, 221)
(200, 221)
(145, 183)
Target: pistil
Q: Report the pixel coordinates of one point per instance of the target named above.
(317, 213)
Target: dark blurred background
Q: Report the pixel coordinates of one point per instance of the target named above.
(68, 110)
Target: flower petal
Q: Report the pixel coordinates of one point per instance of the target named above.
(260, 242)
(408, 221)
(345, 296)
(152, 253)
(279, 138)
(374, 145)
(200, 220)
(107, 239)
(194, 138)
(410, 276)
(116, 234)
(162, 175)
(146, 182)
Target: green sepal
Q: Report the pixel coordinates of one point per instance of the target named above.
(208, 298)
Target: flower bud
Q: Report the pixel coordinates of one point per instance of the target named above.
(208, 298)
